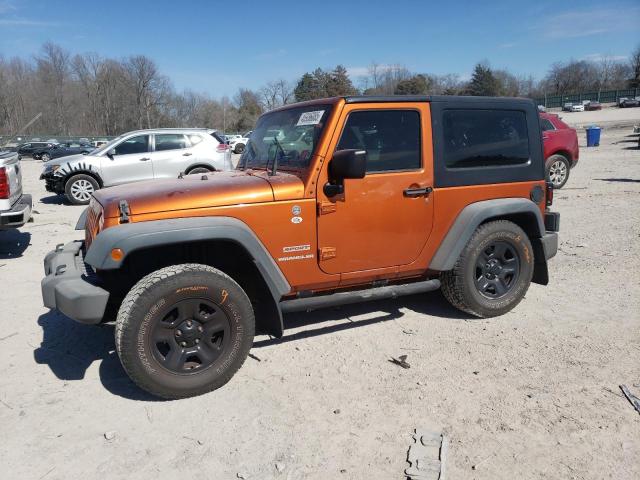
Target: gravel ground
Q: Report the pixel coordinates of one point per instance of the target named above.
(533, 394)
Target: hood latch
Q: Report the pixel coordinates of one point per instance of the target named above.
(124, 211)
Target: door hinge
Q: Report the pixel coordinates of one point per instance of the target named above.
(327, 253)
(326, 207)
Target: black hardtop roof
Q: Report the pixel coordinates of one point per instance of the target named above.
(432, 99)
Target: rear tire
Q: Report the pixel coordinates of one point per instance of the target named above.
(239, 148)
(493, 272)
(184, 330)
(79, 188)
(45, 157)
(558, 168)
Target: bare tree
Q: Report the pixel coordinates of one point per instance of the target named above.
(276, 94)
(634, 63)
(147, 85)
(53, 73)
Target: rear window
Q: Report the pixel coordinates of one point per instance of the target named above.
(485, 138)
(217, 137)
(546, 125)
(170, 141)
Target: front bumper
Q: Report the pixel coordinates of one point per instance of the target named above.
(549, 244)
(17, 215)
(69, 287)
(52, 183)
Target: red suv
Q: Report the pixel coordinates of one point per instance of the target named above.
(560, 148)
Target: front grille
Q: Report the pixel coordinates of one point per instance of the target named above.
(92, 226)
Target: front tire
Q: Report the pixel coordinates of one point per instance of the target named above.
(558, 168)
(45, 157)
(79, 189)
(184, 330)
(493, 272)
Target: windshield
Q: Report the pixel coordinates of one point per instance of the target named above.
(290, 136)
(107, 146)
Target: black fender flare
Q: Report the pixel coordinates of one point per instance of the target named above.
(473, 215)
(131, 237)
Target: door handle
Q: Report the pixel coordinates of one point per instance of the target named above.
(417, 192)
(144, 159)
(187, 154)
(545, 137)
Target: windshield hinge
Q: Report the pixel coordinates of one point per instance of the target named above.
(124, 211)
(327, 253)
(326, 207)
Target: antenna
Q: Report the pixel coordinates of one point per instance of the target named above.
(20, 130)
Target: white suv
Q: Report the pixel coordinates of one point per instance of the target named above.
(135, 156)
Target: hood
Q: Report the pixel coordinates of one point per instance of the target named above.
(213, 189)
(62, 160)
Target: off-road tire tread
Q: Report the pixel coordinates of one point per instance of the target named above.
(123, 323)
(452, 281)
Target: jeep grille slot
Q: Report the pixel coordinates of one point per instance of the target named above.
(92, 226)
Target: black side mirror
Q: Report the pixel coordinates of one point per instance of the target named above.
(111, 153)
(345, 164)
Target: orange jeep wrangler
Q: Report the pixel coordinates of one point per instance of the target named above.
(333, 201)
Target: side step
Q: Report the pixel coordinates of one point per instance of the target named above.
(358, 296)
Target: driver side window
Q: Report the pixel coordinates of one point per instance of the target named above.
(138, 144)
(391, 138)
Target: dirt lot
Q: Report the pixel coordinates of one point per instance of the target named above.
(530, 395)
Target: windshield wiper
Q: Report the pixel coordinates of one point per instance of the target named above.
(274, 167)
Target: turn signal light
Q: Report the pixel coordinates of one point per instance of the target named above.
(117, 254)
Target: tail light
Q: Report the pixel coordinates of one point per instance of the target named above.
(5, 188)
(222, 147)
(549, 194)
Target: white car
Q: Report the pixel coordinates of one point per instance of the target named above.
(577, 107)
(135, 156)
(238, 144)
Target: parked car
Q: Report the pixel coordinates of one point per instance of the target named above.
(561, 151)
(392, 196)
(15, 206)
(238, 144)
(593, 105)
(62, 150)
(566, 107)
(629, 102)
(577, 107)
(136, 156)
(28, 149)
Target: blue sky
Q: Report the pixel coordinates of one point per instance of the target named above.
(216, 47)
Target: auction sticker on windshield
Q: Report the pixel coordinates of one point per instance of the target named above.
(310, 118)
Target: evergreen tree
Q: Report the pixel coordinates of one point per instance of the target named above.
(416, 85)
(321, 84)
(339, 83)
(308, 88)
(483, 82)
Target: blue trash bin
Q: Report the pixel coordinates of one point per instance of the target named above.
(593, 136)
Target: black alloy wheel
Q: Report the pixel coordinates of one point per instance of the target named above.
(497, 269)
(191, 336)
